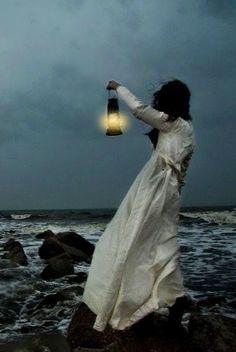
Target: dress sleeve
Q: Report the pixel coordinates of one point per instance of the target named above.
(144, 112)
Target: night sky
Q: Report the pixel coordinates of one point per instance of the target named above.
(56, 58)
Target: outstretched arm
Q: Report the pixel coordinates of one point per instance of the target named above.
(144, 112)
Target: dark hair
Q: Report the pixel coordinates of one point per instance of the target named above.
(172, 98)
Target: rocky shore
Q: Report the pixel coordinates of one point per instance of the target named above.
(59, 253)
(205, 333)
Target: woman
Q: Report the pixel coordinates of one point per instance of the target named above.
(135, 267)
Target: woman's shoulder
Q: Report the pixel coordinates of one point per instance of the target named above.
(184, 124)
(184, 128)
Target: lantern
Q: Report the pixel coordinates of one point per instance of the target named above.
(113, 117)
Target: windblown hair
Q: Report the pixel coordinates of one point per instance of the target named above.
(172, 98)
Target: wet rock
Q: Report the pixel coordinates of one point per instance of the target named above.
(142, 336)
(7, 264)
(73, 291)
(70, 243)
(66, 294)
(212, 333)
(74, 240)
(50, 248)
(58, 266)
(45, 234)
(207, 333)
(81, 333)
(50, 301)
(77, 278)
(76, 254)
(47, 342)
(15, 253)
(9, 244)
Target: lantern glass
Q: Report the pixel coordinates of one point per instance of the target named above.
(113, 117)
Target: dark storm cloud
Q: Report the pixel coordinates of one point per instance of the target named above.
(220, 9)
(55, 60)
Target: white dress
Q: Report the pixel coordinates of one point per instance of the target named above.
(135, 266)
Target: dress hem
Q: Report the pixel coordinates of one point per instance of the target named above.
(144, 310)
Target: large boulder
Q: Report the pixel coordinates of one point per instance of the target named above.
(65, 294)
(58, 266)
(75, 253)
(72, 239)
(10, 244)
(45, 234)
(70, 243)
(81, 333)
(15, 252)
(146, 335)
(206, 333)
(50, 248)
(212, 333)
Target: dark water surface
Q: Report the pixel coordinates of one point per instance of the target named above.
(207, 237)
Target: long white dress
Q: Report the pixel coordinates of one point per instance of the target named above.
(135, 266)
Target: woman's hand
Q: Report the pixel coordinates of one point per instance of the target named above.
(113, 85)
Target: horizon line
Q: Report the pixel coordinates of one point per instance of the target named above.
(114, 208)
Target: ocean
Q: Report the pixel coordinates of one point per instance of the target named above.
(207, 238)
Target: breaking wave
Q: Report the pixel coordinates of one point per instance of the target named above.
(20, 216)
(210, 217)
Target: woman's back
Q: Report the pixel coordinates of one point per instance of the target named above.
(176, 142)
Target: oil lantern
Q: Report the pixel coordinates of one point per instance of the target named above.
(113, 116)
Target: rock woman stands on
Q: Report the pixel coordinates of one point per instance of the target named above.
(135, 267)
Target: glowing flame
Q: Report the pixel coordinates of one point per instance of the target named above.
(123, 120)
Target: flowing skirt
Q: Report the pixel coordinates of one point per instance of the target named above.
(135, 266)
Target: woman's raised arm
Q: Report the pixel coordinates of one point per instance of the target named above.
(144, 112)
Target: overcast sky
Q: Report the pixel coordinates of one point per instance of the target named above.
(56, 58)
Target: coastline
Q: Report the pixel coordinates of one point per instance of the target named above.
(32, 305)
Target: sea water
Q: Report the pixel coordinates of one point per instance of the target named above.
(207, 238)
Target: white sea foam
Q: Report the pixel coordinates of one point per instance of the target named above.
(219, 217)
(20, 216)
(206, 253)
